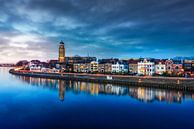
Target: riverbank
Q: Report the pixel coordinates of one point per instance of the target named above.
(185, 84)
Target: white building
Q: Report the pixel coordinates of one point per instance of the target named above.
(34, 67)
(48, 70)
(119, 68)
(160, 68)
(146, 68)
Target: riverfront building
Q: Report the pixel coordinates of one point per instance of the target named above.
(101, 68)
(169, 66)
(133, 66)
(146, 68)
(35, 65)
(81, 67)
(160, 68)
(93, 66)
(108, 68)
(120, 67)
(105, 68)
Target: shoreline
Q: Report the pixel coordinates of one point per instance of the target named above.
(174, 83)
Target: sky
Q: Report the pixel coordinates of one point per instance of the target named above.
(32, 29)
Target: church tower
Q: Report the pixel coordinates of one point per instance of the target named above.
(61, 52)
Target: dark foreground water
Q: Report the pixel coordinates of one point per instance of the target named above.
(45, 103)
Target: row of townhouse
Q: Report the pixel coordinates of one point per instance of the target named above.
(133, 66)
(159, 67)
(139, 67)
(96, 67)
(170, 67)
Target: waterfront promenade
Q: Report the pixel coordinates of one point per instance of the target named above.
(175, 83)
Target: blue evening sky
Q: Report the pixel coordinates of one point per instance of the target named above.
(32, 29)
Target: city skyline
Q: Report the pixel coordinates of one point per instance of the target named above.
(123, 29)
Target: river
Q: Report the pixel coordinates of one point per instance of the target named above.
(37, 103)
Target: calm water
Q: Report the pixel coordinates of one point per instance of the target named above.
(45, 103)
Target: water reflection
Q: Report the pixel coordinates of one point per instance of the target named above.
(62, 88)
(140, 93)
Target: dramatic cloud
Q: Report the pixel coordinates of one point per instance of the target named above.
(31, 29)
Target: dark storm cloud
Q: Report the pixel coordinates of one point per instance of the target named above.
(103, 28)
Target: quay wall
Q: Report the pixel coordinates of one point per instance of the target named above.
(175, 83)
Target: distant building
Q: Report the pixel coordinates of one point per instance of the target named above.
(119, 68)
(146, 68)
(61, 53)
(160, 68)
(22, 63)
(7, 65)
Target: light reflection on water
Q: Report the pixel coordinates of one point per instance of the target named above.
(142, 94)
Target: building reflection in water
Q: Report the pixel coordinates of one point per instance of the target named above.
(140, 93)
(62, 89)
